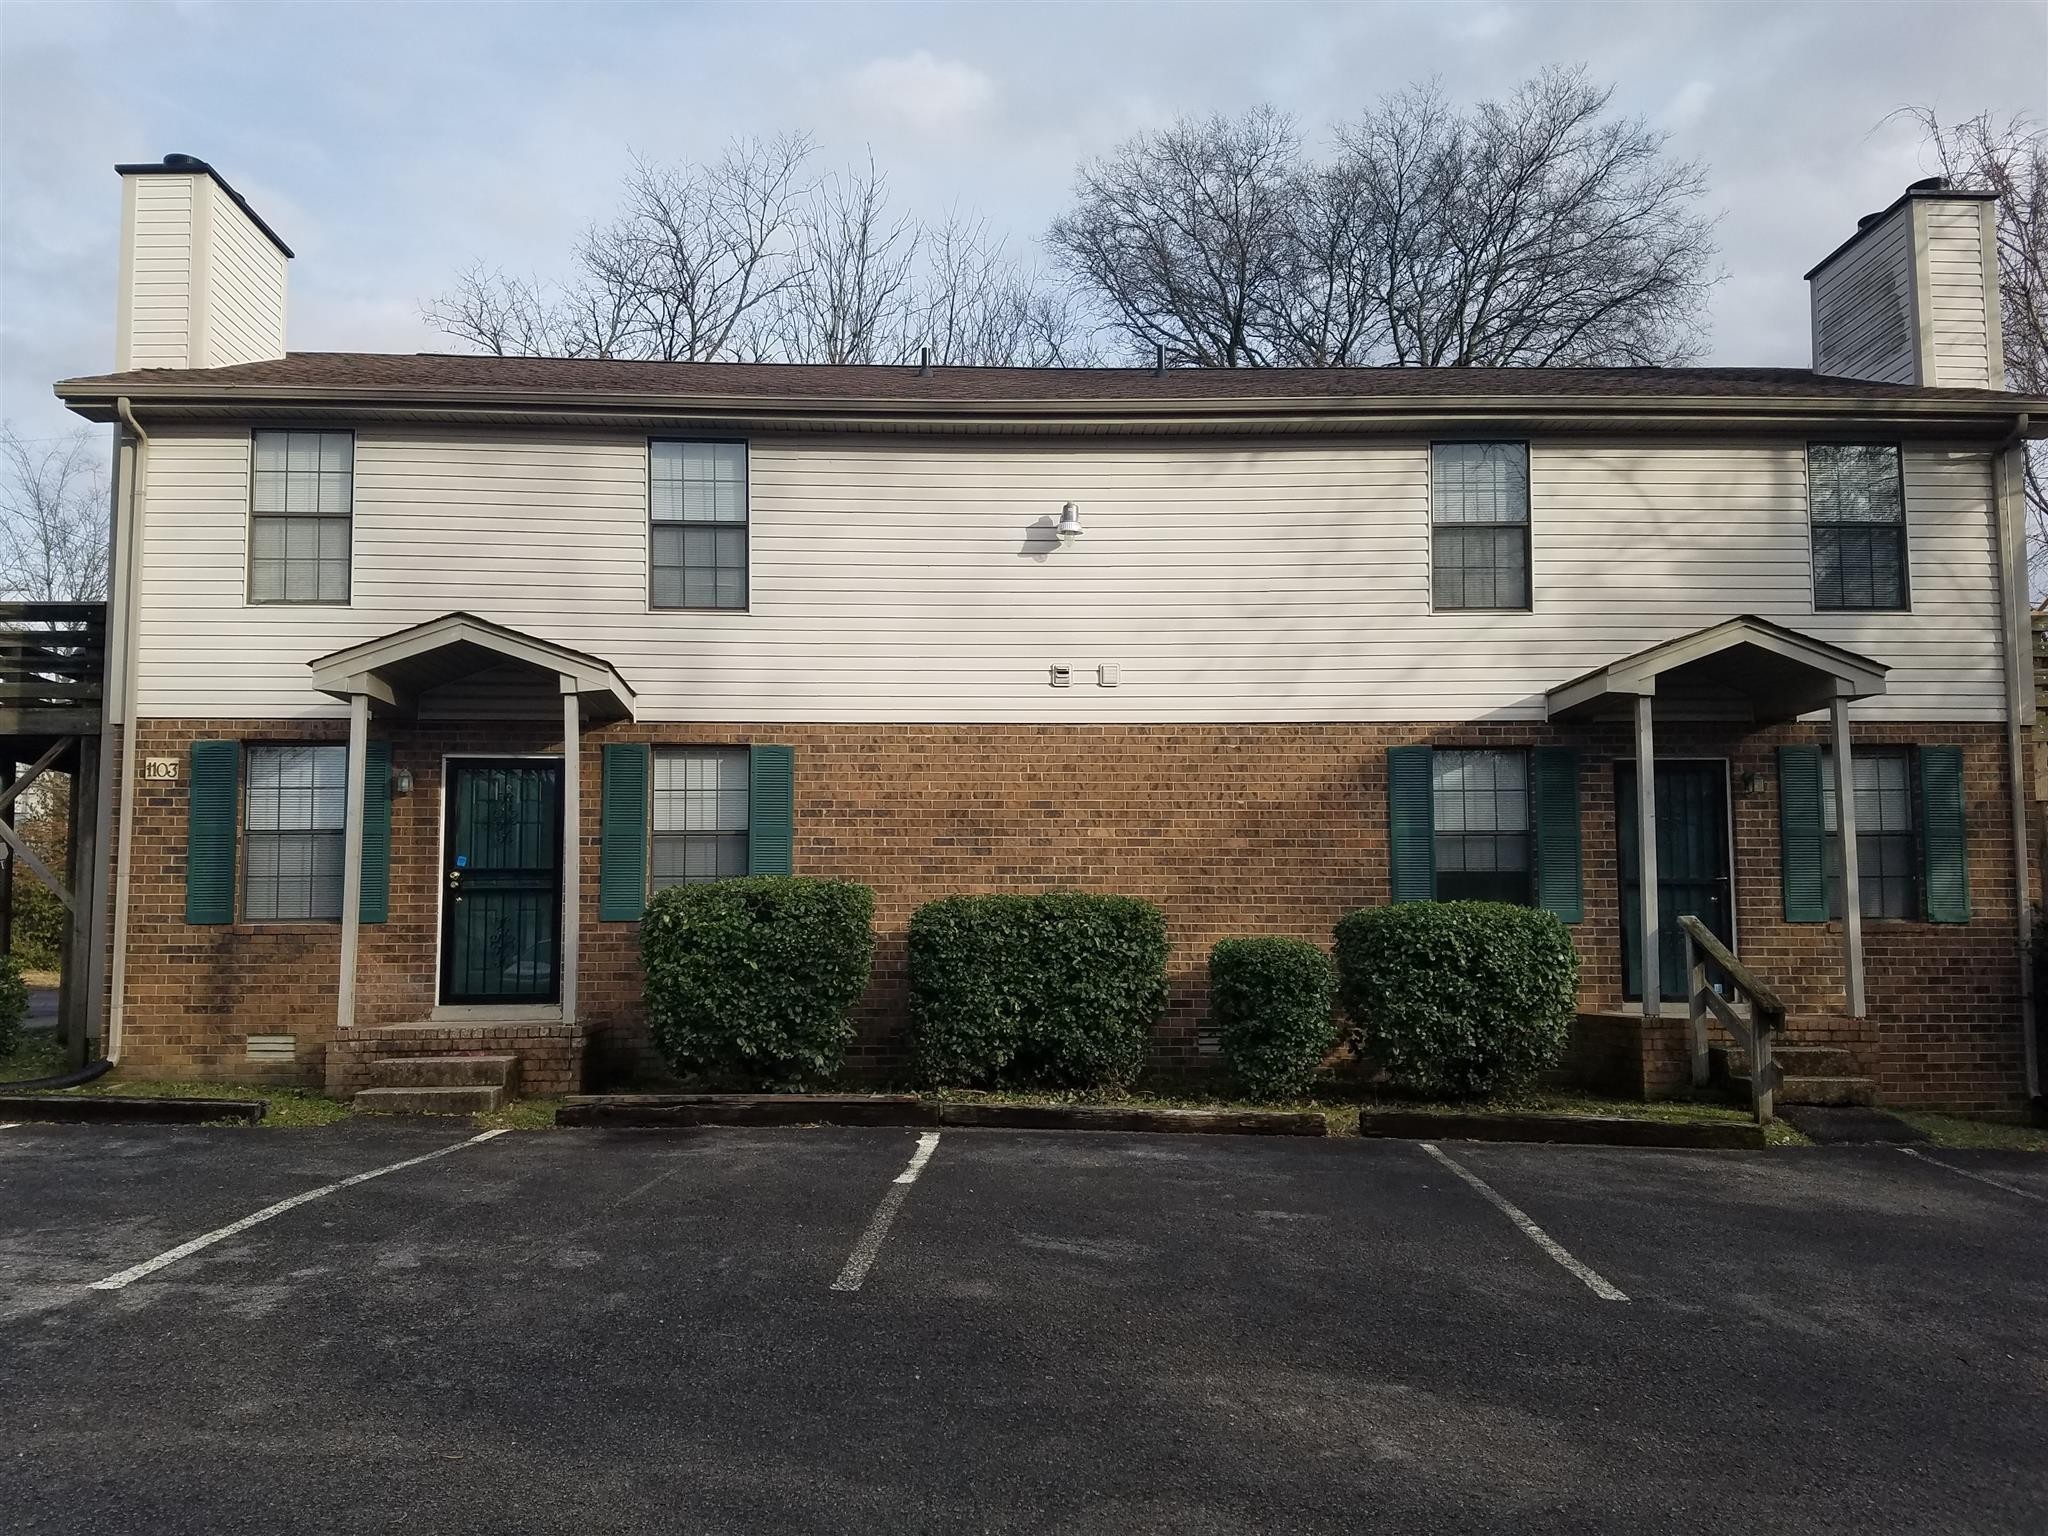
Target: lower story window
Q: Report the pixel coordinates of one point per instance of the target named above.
(700, 815)
(1481, 801)
(1887, 856)
(295, 810)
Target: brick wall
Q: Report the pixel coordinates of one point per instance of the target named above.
(1231, 829)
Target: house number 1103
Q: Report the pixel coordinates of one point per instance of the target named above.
(160, 769)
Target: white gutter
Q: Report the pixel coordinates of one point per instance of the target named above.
(2007, 497)
(129, 562)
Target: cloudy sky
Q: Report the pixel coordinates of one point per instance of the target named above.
(391, 143)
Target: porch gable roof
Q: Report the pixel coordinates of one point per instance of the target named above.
(1781, 672)
(394, 669)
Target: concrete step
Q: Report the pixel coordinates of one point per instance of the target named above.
(1793, 1060)
(1813, 1090)
(469, 1100)
(469, 1069)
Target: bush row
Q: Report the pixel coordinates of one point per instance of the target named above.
(752, 983)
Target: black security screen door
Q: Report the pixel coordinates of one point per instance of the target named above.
(501, 883)
(1692, 867)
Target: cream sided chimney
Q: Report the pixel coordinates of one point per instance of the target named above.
(202, 276)
(1912, 296)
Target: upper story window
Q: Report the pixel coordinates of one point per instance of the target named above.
(1887, 834)
(1479, 525)
(700, 815)
(697, 502)
(1858, 501)
(301, 498)
(1483, 844)
(295, 809)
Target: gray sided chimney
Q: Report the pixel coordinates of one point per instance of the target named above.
(202, 276)
(1912, 296)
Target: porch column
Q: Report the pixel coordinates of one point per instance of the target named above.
(1852, 893)
(1648, 922)
(572, 840)
(352, 858)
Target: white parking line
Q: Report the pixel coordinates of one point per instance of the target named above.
(1542, 1239)
(1964, 1173)
(8, 1125)
(208, 1239)
(863, 1256)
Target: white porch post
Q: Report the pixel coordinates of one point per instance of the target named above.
(572, 840)
(352, 858)
(1648, 922)
(1852, 893)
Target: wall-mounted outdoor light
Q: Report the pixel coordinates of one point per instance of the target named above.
(401, 782)
(1069, 528)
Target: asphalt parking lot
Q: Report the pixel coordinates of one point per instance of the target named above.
(849, 1330)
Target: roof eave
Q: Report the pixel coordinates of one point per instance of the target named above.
(94, 401)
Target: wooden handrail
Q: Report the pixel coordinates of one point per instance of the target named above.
(1756, 991)
(1766, 1015)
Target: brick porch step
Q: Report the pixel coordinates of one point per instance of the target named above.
(465, 1069)
(1814, 1074)
(460, 1100)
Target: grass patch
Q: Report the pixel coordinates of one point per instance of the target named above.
(1968, 1131)
(36, 1055)
(289, 1108)
(520, 1115)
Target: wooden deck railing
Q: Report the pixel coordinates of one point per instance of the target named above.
(53, 667)
(1765, 1018)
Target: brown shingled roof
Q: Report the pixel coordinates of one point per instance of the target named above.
(441, 374)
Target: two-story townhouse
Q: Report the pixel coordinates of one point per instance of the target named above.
(430, 668)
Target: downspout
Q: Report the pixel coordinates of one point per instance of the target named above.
(2018, 696)
(131, 609)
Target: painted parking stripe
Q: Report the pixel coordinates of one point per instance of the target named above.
(8, 1125)
(1965, 1173)
(208, 1239)
(1594, 1281)
(863, 1256)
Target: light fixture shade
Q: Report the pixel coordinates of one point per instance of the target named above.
(1069, 528)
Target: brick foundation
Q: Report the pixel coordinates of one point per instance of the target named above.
(1231, 829)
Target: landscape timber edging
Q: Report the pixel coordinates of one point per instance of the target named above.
(1583, 1130)
(903, 1109)
(113, 1108)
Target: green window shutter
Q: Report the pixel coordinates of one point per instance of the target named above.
(1411, 812)
(771, 810)
(1944, 839)
(211, 814)
(1802, 844)
(376, 902)
(622, 841)
(1559, 884)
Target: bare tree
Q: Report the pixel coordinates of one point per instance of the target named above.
(681, 273)
(975, 307)
(1182, 236)
(2011, 159)
(53, 517)
(849, 297)
(1541, 229)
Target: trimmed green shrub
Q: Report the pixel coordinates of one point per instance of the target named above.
(750, 982)
(1052, 991)
(1270, 1000)
(13, 1004)
(1458, 999)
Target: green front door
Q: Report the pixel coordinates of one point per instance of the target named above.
(501, 882)
(1692, 867)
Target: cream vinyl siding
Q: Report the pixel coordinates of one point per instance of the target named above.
(901, 580)
(1956, 296)
(1863, 322)
(244, 287)
(156, 274)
